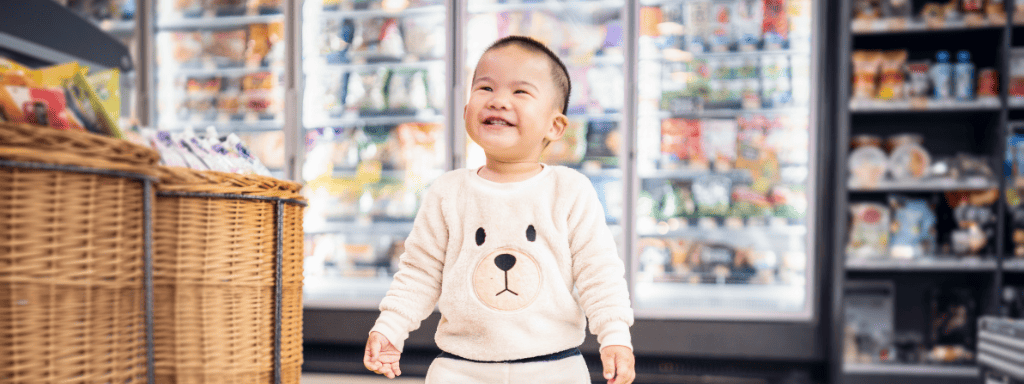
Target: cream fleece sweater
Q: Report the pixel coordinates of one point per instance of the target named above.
(501, 261)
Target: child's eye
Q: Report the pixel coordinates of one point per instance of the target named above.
(486, 88)
(520, 91)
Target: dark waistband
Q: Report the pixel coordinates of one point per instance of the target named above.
(549, 357)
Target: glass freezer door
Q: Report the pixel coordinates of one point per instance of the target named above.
(221, 64)
(374, 103)
(724, 153)
(588, 36)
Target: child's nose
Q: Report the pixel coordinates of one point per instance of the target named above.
(498, 101)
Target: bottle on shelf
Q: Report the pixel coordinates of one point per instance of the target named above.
(964, 80)
(942, 76)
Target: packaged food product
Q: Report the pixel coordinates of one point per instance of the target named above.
(391, 42)
(718, 139)
(711, 195)
(952, 317)
(187, 47)
(699, 19)
(421, 145)
(1016, 68)
(748, 203)
(227, 48)
(988, 83)
(1018, 13)
(942, 76)
(265, 7)
(425, 35)
(891, 82)
(895, 141)
(85, 103)
(227, 7)
(918, 85)
(366, 92)
(775, 25)
(898, 12)
(995, 12)
(909, 161)
(866, 10)
(749, 15)
(258, 93)
(407, 90)
(973, 12)
(681, 141)
(864, 140)
(869, 231)
(867, 167)
(188, 8)
(722, 27)
(259, 44)
(604, 142)
(865, 67)
(913, 228)
(964, 77)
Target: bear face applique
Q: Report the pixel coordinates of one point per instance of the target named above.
(507, 279)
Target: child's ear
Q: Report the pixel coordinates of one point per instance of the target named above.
(558, 125)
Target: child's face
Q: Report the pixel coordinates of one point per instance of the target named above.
(513, 107)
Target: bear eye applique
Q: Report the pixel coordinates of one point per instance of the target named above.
(531, 233)
(480, 236)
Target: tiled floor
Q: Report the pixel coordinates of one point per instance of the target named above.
(324, 378)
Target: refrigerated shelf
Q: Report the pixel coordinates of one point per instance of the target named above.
(217, 22)
(372, 13)
(424, 64)
(731, 113)
(549, 5)
(1014, 265)
(744, 232)
(883, 26)
(938, 263)
(230, 126)
(718, 300)
(741, 54)
(927, 185)
(424, 117)
(226, 72)
(874, 106)
(737, 175)
(912, 370)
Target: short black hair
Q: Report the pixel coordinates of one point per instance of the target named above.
(559, 73)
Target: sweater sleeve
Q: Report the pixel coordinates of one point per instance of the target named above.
(417, 284)
(598, 271)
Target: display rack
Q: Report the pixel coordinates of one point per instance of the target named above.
(983, 120)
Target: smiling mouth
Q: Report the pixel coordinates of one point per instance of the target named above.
(497, 122)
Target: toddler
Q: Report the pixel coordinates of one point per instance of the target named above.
(516, 255)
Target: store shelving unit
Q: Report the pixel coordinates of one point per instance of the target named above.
(978, 127)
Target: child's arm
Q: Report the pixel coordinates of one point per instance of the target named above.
(414, 290)
(599, 274)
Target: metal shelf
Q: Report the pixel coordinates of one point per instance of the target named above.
(940, 263)
(732, 113)
(874, 106)
(687, 174)
(548, 5)
(372, 13)
(425, 64)
(231, 126)
(432, 117)
(227, 72)
(398, 227)
(1014, 265)
(217, 22)
(881, 27)
(715, 55)
(928, 185)
(596, 116)
(725, 232)
(912, 370)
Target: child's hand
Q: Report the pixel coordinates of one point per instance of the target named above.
(381, 356)
(618, 364)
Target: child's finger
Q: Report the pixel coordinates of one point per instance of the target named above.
(385, 370)
(608, 361)
(622, 371)
(398, 371)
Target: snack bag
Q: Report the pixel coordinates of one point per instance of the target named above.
(86, 104)
(228, 48)
(749, 16)
(775, 25)
(722, 27)
(869, 231)
(681, 141)
(186, 48)
(891, 85)
(258, 45)
(913, 228)
(718, 141)
(865, 68)
(699, 19)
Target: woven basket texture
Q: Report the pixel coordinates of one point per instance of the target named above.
(214, 276)
(71, 259)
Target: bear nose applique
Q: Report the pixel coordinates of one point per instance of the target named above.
(505, 261)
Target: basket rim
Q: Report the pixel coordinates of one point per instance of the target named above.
(30, 143)
(184, 181)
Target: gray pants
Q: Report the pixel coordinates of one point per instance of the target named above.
(570, 370)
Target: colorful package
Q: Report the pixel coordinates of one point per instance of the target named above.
(869, 231)
(775, 25)
(681, 141)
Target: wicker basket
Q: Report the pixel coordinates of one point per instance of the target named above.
(72, 241)
(215, 277)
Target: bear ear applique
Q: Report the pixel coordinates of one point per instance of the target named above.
(531, 233)
(480, 236)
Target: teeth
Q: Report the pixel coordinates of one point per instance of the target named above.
(496, 122)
